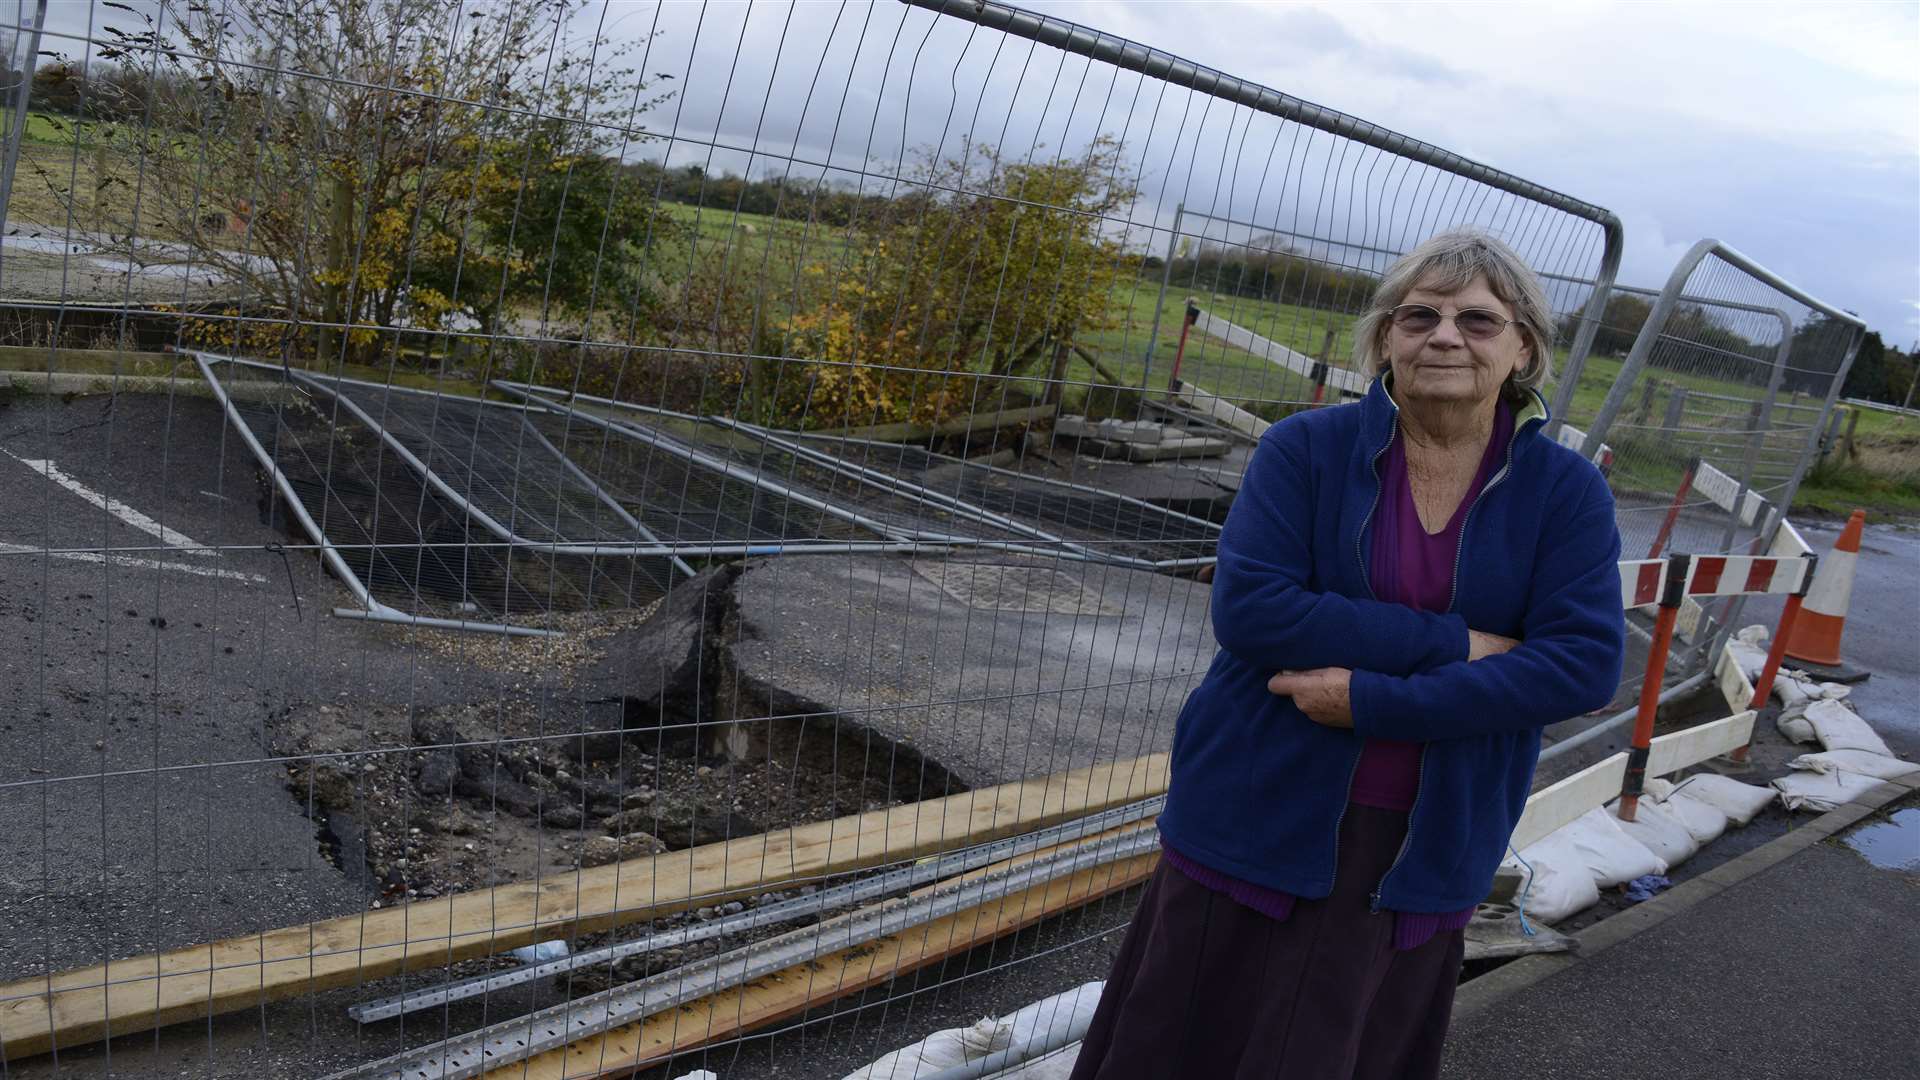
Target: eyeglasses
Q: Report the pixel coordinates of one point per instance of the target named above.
(1477, 323)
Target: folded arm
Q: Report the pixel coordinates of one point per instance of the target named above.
(1567, 662)
(1263, 611)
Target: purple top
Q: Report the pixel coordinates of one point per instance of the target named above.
(1410, 566)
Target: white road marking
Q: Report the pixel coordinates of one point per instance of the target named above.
(187, 544)
(134, 563)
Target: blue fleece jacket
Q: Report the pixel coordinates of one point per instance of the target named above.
(1258, 789)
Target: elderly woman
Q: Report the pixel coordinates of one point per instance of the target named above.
(1409, 588)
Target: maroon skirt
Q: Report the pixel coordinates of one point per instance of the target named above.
(1206, 987)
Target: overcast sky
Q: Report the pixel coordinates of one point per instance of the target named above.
(1790, 132)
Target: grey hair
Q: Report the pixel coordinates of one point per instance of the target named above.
(1449, 261)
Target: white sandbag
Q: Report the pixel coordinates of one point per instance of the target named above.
(1055, 1066)
(1032, 1027)
(1834, 691)
(1821, 792)
(1792, 723)
(541, 952)
(1610, 855)
(1838, 727)
(1704, 821)
(699, 1074)
(1035, 1024)
(1864, 762)
(1554, 882)
(1731, 797)
(940, 1050)
(1752, 660)
(1755, 635)
(1793, 689)
(1659, 831)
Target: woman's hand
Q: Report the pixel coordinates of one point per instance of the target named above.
(1481, 644)
(1320, 693)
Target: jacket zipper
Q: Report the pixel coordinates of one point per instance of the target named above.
(1453, 597)
(1360, 556)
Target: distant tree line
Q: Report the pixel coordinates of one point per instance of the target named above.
(789, 197)
(1267, 269)
(108, 92)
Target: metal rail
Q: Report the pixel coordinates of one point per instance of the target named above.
(481, 517)
(516, 1040)
(920, 537)
(787, 441)
(847, 895)
(375, 611)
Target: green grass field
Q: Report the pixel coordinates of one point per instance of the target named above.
(1883, 470)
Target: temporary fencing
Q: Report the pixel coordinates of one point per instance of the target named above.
(1713, 415)
(665, 479)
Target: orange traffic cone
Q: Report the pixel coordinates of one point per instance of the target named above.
(1815, 640)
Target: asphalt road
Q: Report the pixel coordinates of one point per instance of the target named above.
(1808, 969)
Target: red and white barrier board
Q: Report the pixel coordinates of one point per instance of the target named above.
(1715, 575)
(1745, 575)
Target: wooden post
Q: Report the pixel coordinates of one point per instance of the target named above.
(1646, 399)
(1848, 452)
(1676, 411)
(1830, 438)
(339, 229)
(1179, 353)
(1056, 374)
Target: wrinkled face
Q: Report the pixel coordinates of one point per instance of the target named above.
(1444, 365)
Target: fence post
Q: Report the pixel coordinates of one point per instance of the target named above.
(1187, 319)
(1320, 368)
(27, 35)
(1676, 409)
(1672, 591)
(1643, 344)
(1159, 305)
(1645, 412)
(1828, 438)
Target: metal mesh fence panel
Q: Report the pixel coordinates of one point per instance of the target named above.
(697, 484)
(1708, 400)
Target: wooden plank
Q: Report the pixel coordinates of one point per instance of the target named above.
(1221, 410)
(959, 425)
(1568, 798)
(40, 358)
(1733, 682)
(789, 993)
(1111, 430)
(1339, 378)
(143, 992)
(1177, 447)
(1787, 541)
(1703, 742)
(1598, 784)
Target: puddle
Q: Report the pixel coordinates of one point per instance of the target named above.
(1893, 844)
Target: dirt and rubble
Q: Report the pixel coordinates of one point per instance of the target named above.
(549, 775)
